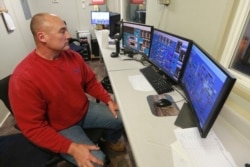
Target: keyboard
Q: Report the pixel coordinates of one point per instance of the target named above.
(158, 82)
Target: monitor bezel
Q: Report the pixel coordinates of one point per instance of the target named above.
(166, 73)
(219, 102)
(134, 50)
(91, 17)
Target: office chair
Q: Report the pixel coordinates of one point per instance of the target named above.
(80, 46)
(17, 150)
(4, 87)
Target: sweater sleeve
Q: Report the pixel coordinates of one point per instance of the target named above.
(92, 86)
(29, 110)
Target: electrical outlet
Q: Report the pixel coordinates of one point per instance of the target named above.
(55, 1)
(164, 2)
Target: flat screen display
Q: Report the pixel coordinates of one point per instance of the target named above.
(169, 53)
(207, 85)
(137, 37)
(101, 18)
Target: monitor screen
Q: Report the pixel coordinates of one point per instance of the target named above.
(101, 18)
(136, 37)
(114, 25)
(207, 85)
(169, 53)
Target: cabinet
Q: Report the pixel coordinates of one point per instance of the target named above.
(85, 52)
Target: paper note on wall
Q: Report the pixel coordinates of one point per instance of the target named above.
(8, 22)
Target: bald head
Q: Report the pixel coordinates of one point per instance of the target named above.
(50, 33)
(43, 22)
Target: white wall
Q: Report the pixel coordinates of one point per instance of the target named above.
(71, 11)
(200, 20)
(15, 45)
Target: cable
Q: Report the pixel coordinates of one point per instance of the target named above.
(178, 91)
(160, 20)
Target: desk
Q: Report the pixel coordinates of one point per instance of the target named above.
(149, 136)
(114, 64)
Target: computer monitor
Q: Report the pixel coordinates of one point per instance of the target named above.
(169, 53)
(206, 85)
(100, 18)
(114, 25)
(136, 37)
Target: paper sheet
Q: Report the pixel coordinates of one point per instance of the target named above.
(139, 82)
(205, 152)
(180, 158)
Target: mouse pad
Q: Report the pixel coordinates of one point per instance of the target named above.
(171, 110)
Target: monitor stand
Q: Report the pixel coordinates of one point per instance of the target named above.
(117, 49)
(186, 118)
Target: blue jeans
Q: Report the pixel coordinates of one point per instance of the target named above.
(98, 116)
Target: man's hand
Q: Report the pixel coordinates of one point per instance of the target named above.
(82, 155)
(113, 107)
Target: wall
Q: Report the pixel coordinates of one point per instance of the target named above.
(200, 20)
(77, 18)
(15, 45)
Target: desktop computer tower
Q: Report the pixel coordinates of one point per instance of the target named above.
(95, 48)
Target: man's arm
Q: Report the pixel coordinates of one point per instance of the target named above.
(30, 114)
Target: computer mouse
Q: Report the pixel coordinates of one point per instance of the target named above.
(163, 103)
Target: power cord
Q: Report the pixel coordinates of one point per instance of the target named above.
(178, 91)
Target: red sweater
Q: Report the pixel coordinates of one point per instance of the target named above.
(48, 96)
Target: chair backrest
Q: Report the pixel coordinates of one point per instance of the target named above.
(75, 45)
(4, 87)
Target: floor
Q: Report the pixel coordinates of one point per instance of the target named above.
(122, 159)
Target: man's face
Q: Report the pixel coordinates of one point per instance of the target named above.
(57, 35)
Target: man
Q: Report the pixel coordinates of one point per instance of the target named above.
(47, 94)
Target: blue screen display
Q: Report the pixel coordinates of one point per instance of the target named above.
(203, 81)
(137, 37)
(168, 53)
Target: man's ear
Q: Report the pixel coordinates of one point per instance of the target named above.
(41, 36)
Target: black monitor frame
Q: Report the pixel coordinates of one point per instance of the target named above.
(206, 85)
(146, 31)
(169, 53)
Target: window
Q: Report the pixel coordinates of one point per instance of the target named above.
(237, 51)
(241, 59)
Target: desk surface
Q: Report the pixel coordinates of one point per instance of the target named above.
(149, 136)
(114, 64)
